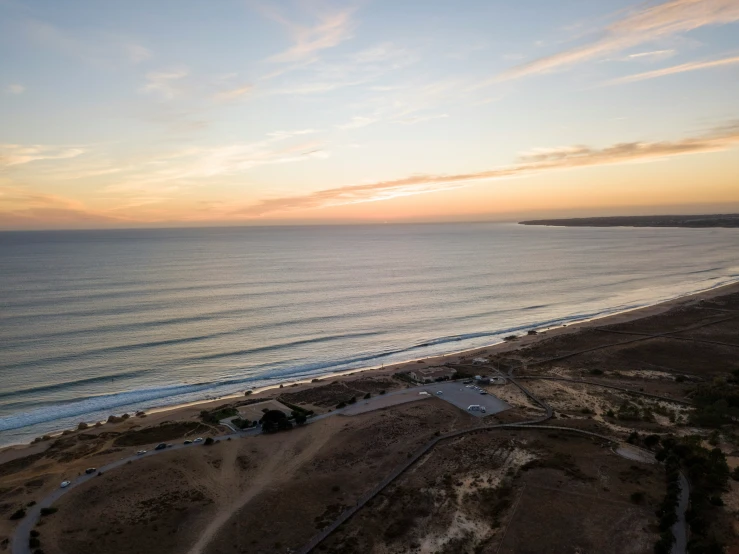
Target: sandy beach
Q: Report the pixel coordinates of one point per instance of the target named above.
(158, 414)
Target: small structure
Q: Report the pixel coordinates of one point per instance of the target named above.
(432, 374)
(479, 361)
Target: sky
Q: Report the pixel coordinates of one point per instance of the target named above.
(186, 113)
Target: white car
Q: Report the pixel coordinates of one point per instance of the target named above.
(65, 484)
(199, 439)
(439, 393)
(141, 452)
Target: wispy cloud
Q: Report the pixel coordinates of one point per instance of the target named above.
(421, 118)
(642, 26)
(233, 94)
(329, 29)
(137, 53)
(357, 122)
(654, 55)
(541, 160)
(21, 207)
(358, 68)
(682, 68)
(167, 84)
(15, 88)
(195, 166)
(18, 154)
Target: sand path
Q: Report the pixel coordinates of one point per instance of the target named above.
(290, 456)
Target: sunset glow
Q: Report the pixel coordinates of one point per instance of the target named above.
(255, 112)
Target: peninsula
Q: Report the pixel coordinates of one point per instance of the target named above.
(692, 221)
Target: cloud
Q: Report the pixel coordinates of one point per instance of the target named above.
(195, 166)
(165, 83)
(643, 26)
(137, 53)
(23, 208)
(652, 56)
(15, 88)
(569, 157)
(682, 68)
(330, 30)
(358, 121)
(17, 154)
(353, 69)
(421, 118)
(233, 94)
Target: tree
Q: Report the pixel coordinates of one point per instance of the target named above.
(274, 420)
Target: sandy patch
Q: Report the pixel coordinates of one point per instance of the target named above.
(384, 401)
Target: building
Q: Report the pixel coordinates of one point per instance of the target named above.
(432, 374)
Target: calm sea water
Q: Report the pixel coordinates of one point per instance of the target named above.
(100, 322)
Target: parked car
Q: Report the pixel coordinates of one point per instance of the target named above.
(439, 393)
(199, 439)
(141, 452)
(483, 410)
(483, 392)
(187, 442)
(65, 484)
(90, 470)
(161, 446)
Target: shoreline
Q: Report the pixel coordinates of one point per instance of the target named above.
(543, 333)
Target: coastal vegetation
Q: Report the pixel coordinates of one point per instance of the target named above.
(708, 474)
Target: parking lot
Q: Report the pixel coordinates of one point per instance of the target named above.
(462, 397)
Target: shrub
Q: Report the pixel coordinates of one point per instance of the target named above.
(208, 441)
(19, 514)
(610, 413)
(33, 542)
(382, 392)
(215, 416)
(34, 533)
(596, 372)
(48, 511)
(367, 396)
(352, 400)
(680, 378)
(735, 474)
(651, 440)
(637, 497)
(341, 405)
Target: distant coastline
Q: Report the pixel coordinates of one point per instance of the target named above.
(690, 221)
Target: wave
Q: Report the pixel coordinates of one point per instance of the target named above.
(164, 395)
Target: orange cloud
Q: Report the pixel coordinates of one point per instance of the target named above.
(533, 162)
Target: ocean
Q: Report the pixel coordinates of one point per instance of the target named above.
(94, 323)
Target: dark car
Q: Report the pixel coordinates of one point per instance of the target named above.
(90, 470)
(161, 446)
